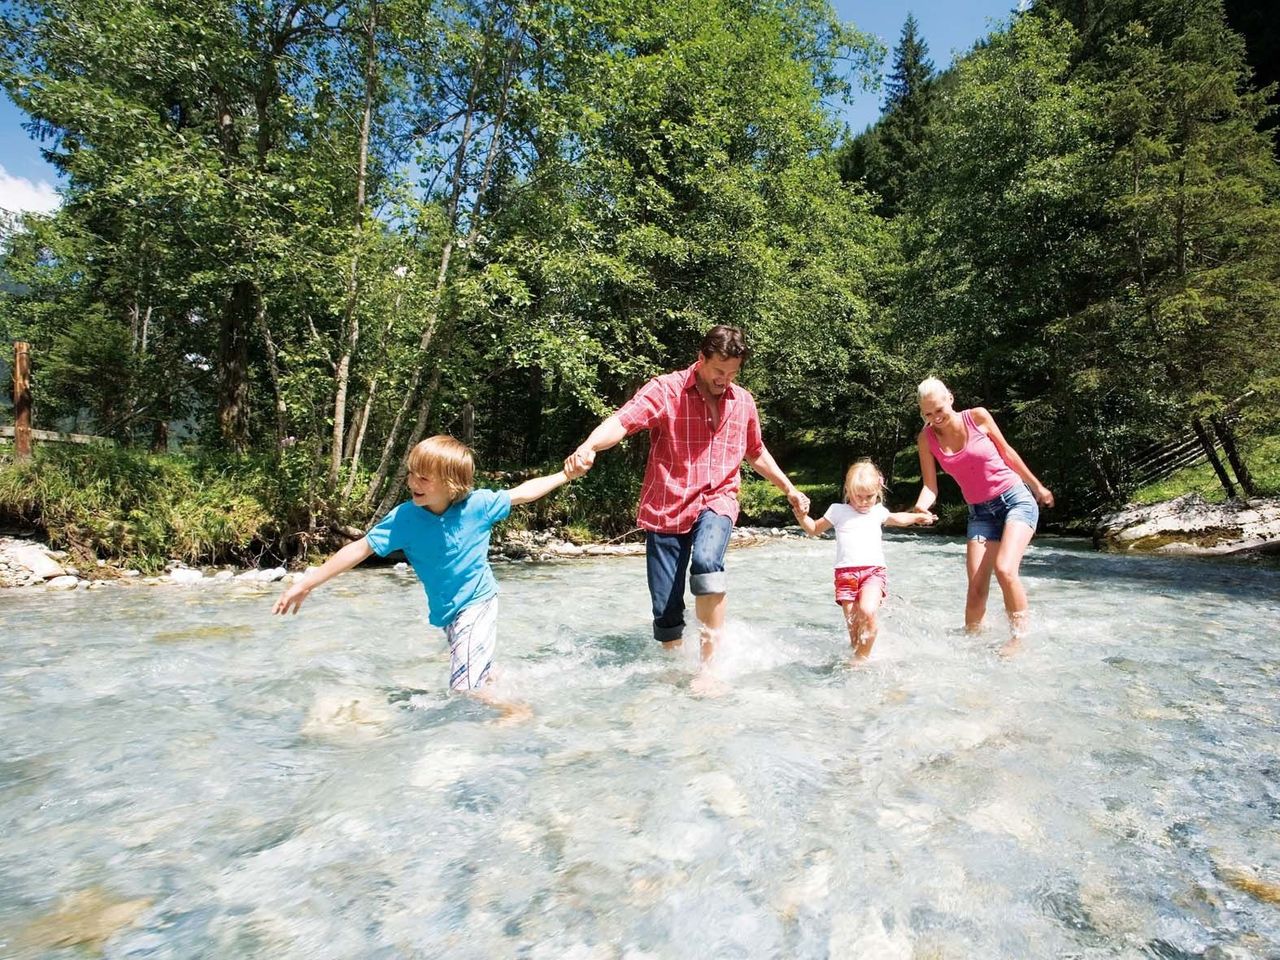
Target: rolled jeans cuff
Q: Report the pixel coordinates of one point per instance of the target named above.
(663, 634)
(717, 581)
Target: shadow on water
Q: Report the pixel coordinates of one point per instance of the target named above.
(1073, 560)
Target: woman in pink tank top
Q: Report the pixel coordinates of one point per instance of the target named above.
(1000, 489)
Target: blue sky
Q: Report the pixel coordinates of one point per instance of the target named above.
(949, 27)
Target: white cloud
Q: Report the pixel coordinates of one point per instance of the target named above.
(19, 195)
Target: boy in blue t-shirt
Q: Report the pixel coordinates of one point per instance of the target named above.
(444, 531)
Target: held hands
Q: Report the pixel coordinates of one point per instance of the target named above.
(799, 502)
(579, 462)
(922, 518)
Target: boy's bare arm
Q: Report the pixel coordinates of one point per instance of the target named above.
(355, 552)
(539, 487)
(909, 518)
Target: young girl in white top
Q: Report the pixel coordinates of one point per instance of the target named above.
(861, 579)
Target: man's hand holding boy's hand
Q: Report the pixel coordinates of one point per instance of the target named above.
(581, 460)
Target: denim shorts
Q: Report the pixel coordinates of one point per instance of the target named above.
(987, 519)
(668, 555)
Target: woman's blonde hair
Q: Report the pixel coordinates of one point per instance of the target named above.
(445, 459)
(864, 475)
(932, 387)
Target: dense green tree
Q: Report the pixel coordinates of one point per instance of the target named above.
(886, 156)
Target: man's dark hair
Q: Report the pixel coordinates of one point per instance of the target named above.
(728, 342)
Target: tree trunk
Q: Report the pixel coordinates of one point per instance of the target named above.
(273, 371)
(1226, 436)
(351, 316)
(233, 366)
(424, 411)
(1212, 454)
(469, 423)
(457, 189)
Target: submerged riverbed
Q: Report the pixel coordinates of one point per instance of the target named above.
(182, 775)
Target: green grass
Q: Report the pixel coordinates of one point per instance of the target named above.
(142, 508)
(1261, 455)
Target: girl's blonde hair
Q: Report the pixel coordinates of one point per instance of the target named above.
(932, 387)
(864, 475)
(445, 459)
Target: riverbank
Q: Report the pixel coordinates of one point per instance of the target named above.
(27, 563)
(1191, 526)
(1185, 526)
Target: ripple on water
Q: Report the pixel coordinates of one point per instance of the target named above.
(196, 778)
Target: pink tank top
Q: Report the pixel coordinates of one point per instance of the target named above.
(977, 466)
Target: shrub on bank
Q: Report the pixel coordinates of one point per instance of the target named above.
(109, 502)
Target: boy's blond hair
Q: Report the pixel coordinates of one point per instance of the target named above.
(445, 459)
(864, 475)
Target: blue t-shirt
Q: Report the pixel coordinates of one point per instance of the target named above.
(449, 551)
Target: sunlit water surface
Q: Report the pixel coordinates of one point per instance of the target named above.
(181, 775)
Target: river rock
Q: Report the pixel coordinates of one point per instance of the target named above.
(184, 575)
(272, 575)
(62, 583)
(1191, 526)
(37, 561)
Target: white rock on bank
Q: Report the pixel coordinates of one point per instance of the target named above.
(183, 575)
(62, 583)
(272, 575)
(1189, 525)
(39, 563)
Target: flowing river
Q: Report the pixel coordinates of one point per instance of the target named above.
(181, 775)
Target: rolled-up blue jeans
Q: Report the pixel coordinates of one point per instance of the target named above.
(668, 555)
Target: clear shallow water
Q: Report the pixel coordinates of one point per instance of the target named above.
(183, 776)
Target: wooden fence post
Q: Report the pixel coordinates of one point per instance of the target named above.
(21, 402)
(1207, 442)
(1226, 436)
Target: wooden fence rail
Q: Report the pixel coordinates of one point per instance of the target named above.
(1160, 460)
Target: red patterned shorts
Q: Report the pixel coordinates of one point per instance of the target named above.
(851, 580)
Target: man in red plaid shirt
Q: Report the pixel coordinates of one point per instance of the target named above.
(701, 426)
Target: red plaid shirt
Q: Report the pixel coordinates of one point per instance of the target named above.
(691, 467)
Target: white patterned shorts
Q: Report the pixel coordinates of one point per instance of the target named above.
(472, 636)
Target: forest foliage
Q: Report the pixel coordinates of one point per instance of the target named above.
(301, 236)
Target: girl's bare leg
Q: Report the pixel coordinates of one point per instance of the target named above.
(869, 598)
(980, 561)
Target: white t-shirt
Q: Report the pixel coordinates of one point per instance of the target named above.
(858, 541)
